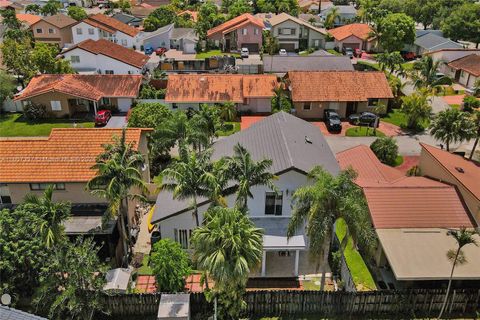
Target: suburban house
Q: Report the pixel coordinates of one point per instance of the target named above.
(354, 36)
(65, 160)
(105, 57)
(159, 38)
(465, 70)
(99, 26)
(249, 92)
(295, 34)
(28, 19)
(431, 40)
(184, 39)
(295, 147)
(448, 55)
(244, 31)
(455, 170)
(347, 92)
(311, 18)
(128, 19)
(412, 217)
(280, 65)
(67, 94)
(54, 29)
(346, 13)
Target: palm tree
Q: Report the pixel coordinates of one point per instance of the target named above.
(390, 61)
(424, 75)
(53, 214)
(453, 125)
(248, 173)
(476, 88)
(475, 144)
(174, 130)
(228, 111)
(117, 174)
(396, 85)
(227, 247)
(318, 205)
(416, 108)
(332, 16)
(463, 238)
(206, 123)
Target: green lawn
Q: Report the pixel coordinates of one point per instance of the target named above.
(369, 65)
(407, 66)
(304, 53)
(211, 53)
(363, 132)
(358, 269)
(398, 161)
(398, 118)
(235, 128)
(14, 125)
(334, 52)
(145, 269)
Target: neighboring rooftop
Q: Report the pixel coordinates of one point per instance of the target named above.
(7, 313)
(338, 85)
(59, 20)
(184, 33)
(110, 24)
(184, 88)
(282, 17)
(432, 41)
(29, 19)
(192, 14)
(359, 30)
(112, 50)
(126, 18)
(91, 87)
(470, 64)
(67, 155)
(283, 64)
(236, 23)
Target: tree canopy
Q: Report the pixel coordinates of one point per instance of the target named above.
(463, 23)
(396, 30)
(77, 13)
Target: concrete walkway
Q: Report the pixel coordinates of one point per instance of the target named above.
(143, 240)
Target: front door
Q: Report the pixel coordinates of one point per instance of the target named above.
(351, 108)
(457, 75)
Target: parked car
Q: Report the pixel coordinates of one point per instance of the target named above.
(364, 118)
(407, 55)
(332, 120)
(244, 53)
(160, 51)
(282, 52)
(148, 50)
(102, 117)
(348, 52)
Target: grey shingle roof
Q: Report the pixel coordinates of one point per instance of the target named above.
(7, 313)
(431, 41)
(283, 64)
(291, 143)
(188, 33)
(126, 18)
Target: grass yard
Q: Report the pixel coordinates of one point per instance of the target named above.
(358, 269)
(211, 53)
(398, 161)
(304, 53)
(363, 132)
(369, 65)
(232, 127)
(398, 118)
(14, 125)
(407, 66)
(334, 52)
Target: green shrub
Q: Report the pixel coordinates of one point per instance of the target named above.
(470, 103)
(148, 115)
(33, 111)
(386, 150)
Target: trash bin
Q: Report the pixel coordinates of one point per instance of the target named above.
(155, 237)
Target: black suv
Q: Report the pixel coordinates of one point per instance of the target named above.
(332, 120)
(364, 118)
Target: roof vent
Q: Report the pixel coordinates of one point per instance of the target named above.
(308, 140)
(202, 79)
(459, 169)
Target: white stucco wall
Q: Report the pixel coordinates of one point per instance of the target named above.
(85, 35)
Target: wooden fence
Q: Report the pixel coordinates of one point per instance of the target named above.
(408, 303)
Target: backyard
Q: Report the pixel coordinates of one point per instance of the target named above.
(212, 53)
(363, 132)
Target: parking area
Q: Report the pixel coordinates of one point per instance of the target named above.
(117, 122)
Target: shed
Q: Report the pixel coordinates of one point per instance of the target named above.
(174, 307)
(118, 279)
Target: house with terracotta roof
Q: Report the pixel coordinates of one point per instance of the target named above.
(28, 19)
(67, 94)
(105, 57)
(100, 26)
(465, 70)
(347, 92)
(249, 92)
(453, 169)
(244, 31)
(192, 14)
(54, 29)
(354, 36)
(412, 217)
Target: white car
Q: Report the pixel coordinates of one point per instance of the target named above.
(282, 52)
(244, 53)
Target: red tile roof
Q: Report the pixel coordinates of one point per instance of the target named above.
(200, 88)
(338, 85)
(112, 50)
(110, 24)
(470, 64)
(235, 23)
(66, 156)
(193, 14)
(91, 87)
(396, 201)
(29, 19)
(359, 30)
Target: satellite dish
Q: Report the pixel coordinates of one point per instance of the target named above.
(6, 299)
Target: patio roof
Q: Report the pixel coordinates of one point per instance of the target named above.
(88, 225)
(283, 242)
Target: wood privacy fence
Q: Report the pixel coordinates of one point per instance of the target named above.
(408, 303)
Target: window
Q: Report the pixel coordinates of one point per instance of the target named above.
(108, 71)
(39, 30)
(51, 31)
(372, 102)
(56, 105)
(43, 186)
(4, 194)
(316, 43)
(284, 253)
(75, 59)
(273, 203)
(307, 106)
(105, 101)
(124, 42)
(286, 31)
(244, 31)
(182, 236)
(79, 31)
(91, 31)
(255, 31)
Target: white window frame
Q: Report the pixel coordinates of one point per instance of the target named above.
(75, 59)
(255, 31)
(307, 106)
(244, 31)
(56, 105)
(182, 236)
(39, 30)
(278, 201)
(124, 42)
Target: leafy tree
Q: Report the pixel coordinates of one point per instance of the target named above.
(16, 58)
(277, 6)
(463, 23)
(160, 17)
(148, 115)
(319, 204)
(44, 59)
(33, 8)
(390, 60)
(476, 88)
(124, 5)
(53, 213)
(170, 265)
(51, 8)
(396, 30)
(386, 150)
(238, 7)
(227, 247)
(281, 101)
(7, 86)
(391, 6)
(396, 85)
(424, 75)
(470, 103)
(416, 108)
(70, 288)
(463, 238)
(332, 16)
(208, 18)
(206, 123)
(77, 13)
(422, 11)
(228, 111)
(453, 125)
(13, 28)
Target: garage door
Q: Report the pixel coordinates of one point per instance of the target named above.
(252, 47)
(352, 45)
(287, 46)
(124, 104)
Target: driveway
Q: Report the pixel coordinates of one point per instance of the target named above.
(117, 122)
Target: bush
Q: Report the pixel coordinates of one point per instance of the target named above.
(148, 115)
(470, 103)
(386, 150)
(33, 111)
(149, 92)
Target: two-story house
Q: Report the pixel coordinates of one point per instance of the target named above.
(54, 29)
(99, 26)
(105, 57)
(295, 34)
(295, 147)
(244, 31)
(353, 36)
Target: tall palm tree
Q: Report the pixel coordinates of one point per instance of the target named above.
(318, 205)
(424, 75)
(206, 123)
(332, 16)
(416, 108)
(227, 247)
(118, 173)
(453, 125)
(248, 173)
(228, 111)
(53, 214)
(463, 238)
(475, 144)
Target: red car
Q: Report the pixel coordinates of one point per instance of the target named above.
(102, 117)
(160, 51)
